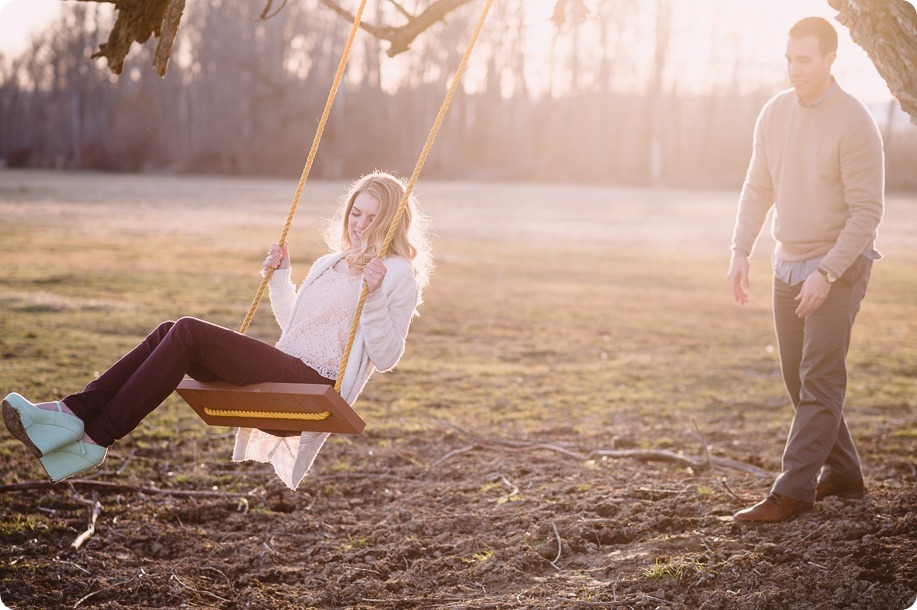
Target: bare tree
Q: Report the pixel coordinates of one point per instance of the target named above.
(138, 20)
(242, 96)
(656, 94)
(886, 29)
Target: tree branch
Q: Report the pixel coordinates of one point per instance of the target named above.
(118, 487)
(401, 37)
(400, 8)
(91, 528)
(170, 22)
(137, 21)
(646, 455)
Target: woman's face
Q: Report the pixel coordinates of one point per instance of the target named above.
(364, 210)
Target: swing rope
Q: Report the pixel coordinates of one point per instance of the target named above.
(456, 81)
(309, 160)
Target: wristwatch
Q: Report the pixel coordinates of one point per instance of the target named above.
(828, 275)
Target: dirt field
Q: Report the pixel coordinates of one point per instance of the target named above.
(565, 327)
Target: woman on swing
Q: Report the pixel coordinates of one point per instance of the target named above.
(72, 435)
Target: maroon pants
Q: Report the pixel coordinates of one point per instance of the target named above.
(116, 402)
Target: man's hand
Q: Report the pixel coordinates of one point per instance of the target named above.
(814, 292)
(738, 278)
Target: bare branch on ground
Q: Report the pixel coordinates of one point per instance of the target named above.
(696, 463)
(91, 529)
(559, 546)
(117, 487)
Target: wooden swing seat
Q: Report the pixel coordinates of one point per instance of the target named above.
(291, 407)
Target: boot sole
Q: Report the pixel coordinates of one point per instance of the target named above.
(760, 523)
(14, 424)
(71, 467)
(846, 495)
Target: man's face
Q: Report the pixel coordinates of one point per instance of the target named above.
(809, 70)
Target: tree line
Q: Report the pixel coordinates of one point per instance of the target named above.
(242, 96)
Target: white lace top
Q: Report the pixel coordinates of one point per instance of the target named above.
(318, 330)
(379, 344)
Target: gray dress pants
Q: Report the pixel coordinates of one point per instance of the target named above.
(813, 355)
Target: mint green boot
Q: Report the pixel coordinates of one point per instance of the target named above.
(73, 459)
(39, 430)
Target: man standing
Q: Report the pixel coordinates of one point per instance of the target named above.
(818, 161)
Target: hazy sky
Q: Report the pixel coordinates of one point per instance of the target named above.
(762, 25)
(19, 19)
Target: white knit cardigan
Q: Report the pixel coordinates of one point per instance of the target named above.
(379, 344)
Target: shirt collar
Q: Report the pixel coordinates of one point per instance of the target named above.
(824, 96)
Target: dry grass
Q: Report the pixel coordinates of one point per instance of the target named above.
(552, 304)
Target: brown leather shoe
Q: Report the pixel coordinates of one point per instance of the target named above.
(773, 509)
(851, 490)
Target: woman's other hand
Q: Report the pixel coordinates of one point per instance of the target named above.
(374, 273)
(278, 257)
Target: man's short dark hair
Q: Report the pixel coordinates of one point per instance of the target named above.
(821, 29)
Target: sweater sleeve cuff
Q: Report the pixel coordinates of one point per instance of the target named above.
(280, 279)
(374, 304)
(375, 297)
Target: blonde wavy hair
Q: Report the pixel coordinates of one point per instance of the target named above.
(412, 237)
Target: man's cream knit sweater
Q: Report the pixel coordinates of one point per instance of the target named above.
(822, 167)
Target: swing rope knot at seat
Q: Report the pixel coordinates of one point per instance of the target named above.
(314, 407)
